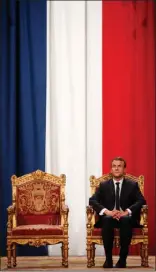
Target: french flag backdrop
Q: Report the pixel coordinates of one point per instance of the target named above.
(77, 89)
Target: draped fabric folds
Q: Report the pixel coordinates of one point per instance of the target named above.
(22, 100)
(76, 89)
(129, 91)
(74, 106)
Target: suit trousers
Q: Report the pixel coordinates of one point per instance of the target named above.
(125, 226)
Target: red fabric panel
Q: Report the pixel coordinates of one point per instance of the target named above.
(49, 219)
(37, 230)
(128, 92)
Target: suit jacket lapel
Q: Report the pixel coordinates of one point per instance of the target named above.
(123, 191)
(112, 191)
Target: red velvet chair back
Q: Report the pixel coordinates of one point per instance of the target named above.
(38, 202)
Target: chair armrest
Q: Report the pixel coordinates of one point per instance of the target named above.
(89, 212)
(64, 214)
(144, 216)
(89, 209)
(65, 209)
(11, 211)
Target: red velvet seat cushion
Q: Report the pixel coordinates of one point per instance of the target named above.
(47, 219)
(97, 231)
(37, 230)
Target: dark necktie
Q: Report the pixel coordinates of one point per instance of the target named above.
(117, 199)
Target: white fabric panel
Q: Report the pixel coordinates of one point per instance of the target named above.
(94, 94)
(73, 91)
(94, 88)
(66, 101)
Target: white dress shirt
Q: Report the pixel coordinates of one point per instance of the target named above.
(120, 186)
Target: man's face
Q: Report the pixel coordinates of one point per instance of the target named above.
(117, 169)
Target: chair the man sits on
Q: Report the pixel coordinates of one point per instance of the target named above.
(94, 230)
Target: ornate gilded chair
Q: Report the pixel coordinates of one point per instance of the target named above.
(140, 234)
(38, 215)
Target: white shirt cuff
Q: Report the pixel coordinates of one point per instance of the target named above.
(129, 211)
(102, 211)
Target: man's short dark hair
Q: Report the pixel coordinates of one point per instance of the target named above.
(119, 159)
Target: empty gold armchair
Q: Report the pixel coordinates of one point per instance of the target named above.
(38, 215)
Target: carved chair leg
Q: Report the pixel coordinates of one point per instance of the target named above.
(89, 254)
(93, 254)
(9, 255)
(62, 249)
(146, 255)
(14, 254)
(65, 254)
(142, 254)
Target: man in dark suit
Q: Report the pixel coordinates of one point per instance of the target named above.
(118, 201)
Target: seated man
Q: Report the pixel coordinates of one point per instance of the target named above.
(118, 201)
